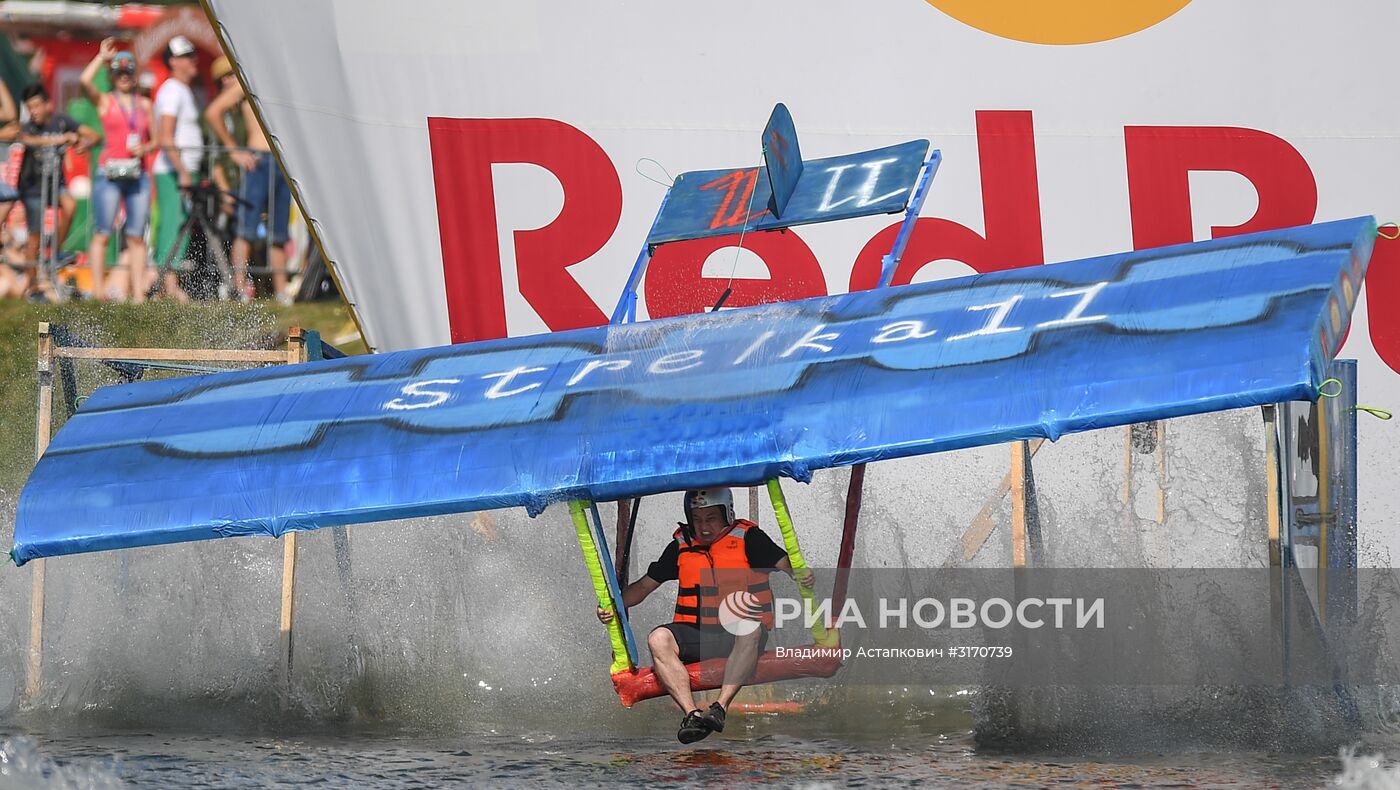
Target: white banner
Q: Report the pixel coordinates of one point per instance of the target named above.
(472, 167)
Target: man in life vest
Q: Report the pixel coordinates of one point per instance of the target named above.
(724, 606)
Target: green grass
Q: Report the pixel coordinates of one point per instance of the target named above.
(161, 324)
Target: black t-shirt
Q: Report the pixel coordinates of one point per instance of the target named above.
(30, 170)
(760, 550)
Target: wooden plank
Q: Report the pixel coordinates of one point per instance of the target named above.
(1127, 464)
(289, 573)
(1273, 486)
(1161, 428)
(1019, 453)
(982, 524)
(294, 354)
(1324, 501)
(43, 431)
(171, 354)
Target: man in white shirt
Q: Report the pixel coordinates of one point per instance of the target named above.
(181, 150)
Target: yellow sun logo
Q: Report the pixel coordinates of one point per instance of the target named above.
(1060, 21)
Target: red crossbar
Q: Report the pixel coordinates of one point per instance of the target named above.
(810, 662)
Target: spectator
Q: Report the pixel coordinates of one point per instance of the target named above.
(11, 283)
(262, 189)
(225, 173)
(45, 136)
(120, 176)
(181, 151)
(9, 132)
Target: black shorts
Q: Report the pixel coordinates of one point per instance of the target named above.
(698, 644)
(34, 207)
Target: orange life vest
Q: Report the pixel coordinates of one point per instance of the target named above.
(709, 573)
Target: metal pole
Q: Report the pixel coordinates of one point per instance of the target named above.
(890, 262)
(271, 206)
(626, 309)
(45, 198)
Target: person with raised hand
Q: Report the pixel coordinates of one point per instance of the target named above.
(120, 177)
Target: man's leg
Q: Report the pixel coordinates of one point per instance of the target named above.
(666, 663)
(279, 209)
(34, 218)
(67, 206)
(278, 257)
(242, 249)
(170, 214)
(738, 670)
(11, 285)
(170, 206)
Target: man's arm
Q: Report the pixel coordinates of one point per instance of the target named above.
(87, 137)
(805, 579)
(166, 138)
(637, 591)
(62, 138)
(214, 115)
(763, 552)
(9, 113)
(632, 594)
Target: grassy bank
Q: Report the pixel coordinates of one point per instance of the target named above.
(161, 324)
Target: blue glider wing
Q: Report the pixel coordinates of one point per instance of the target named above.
(724, 398)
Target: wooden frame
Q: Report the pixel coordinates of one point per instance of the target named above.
(983, 524)
(295, 352)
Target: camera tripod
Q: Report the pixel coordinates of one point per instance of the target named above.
(204, 206)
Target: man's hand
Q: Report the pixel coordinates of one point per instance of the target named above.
(805, 578)
(107, 49)
(184, 179)
(244, 159)
(605, 616)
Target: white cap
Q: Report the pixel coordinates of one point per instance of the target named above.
(179, 46)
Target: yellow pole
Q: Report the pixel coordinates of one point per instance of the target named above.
(820, 635)
(578, 510)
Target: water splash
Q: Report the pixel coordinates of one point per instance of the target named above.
(24, 767)
(1366, 771)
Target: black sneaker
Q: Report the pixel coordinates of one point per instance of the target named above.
(714, 717)
(693, 727)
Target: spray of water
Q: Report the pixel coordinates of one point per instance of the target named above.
(485, 620)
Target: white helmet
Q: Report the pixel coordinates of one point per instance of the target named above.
(709, 497)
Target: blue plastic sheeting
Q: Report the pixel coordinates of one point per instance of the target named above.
(783, 158)
(706, 203)
(724, 398)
